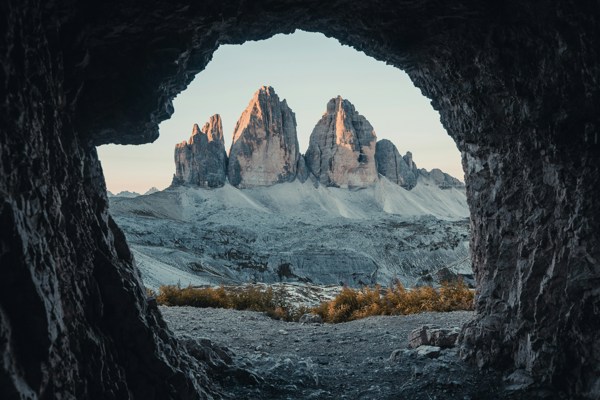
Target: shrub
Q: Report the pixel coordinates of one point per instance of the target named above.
(349, 305)
(272, 302)
(353, 304)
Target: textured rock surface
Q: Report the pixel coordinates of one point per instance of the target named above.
(362, 359)
(433, 335)
(342, 147)
(302, 172)
(296, 232)
(516, 85)
(393, 166)
(74, 320)
(441, 179)
(265, 144)
(403, 171)
(202, 160)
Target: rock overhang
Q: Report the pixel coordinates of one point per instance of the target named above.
(514, 83)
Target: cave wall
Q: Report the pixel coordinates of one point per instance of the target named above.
(74, 321)
(522, 101)
(516, 86)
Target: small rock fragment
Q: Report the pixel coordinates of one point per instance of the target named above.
(310, 318)
(429, 351)
(428, 335)
(398, 354)
(518, 380)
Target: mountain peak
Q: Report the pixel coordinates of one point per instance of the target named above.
(153, 189)
(202, 161)
(213, 128)
(342, 147)
(195, 130)
(265, 90)
(343, 150)
(400, 170)
(265, 146)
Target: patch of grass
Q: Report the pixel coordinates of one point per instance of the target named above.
(350, 304)
(272, 302)
(353, 304)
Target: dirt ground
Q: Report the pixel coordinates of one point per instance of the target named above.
(353, 360)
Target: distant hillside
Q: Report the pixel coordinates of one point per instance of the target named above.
(296, 232)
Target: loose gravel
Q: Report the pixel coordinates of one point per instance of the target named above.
(363, 359)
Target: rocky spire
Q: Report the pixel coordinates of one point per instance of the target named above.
(398, 169)
(202, 161)
(265, 147)
(342, 147)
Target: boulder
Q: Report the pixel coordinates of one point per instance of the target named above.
(428, 351)
(429, 335)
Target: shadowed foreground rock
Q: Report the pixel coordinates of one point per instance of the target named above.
(516, 85)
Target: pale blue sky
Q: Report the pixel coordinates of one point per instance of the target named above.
(307, 69)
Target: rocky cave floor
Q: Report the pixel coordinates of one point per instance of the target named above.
(261, 358)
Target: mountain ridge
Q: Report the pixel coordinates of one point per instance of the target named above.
(350, 211)
(343, 151)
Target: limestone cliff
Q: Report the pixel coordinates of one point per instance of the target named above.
(202, 161)
(265, 145)
(441, 179)
(342, 147)
(403, 171)
(398, 169)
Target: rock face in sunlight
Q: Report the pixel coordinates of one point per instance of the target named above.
(202, 160)
(394, 167)
(342, 147)
(265, 147)
(265, 151)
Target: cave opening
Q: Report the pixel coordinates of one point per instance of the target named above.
(408, 226)
(385, 95)
(516, 88)
(306, 69)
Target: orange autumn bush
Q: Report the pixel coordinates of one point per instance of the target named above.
(350, 304)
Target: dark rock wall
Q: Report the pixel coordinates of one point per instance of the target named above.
(516, 85)
(522, 103)
(74, 321)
